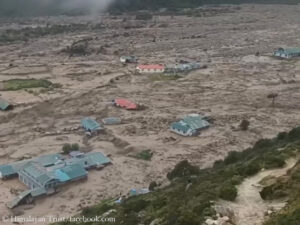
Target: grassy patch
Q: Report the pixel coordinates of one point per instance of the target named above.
(144, 155)
(19, 84)
(163, 77)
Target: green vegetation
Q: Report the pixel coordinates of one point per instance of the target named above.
(67, 148)
(188, 199)
(19, 84)
(286, 186)
(163, 77)
(228, 192)
(144, 155)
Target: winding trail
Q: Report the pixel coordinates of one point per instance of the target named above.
(249, 208)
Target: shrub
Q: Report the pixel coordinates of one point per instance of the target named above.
(135, 205)
(294, 133)
(232, 157)
(282, 135)
(144, 155)
(272, 161)
(152, 186)
(228, 192)
(67, 148)
(183, 169)
(252, 168)
(244, 125)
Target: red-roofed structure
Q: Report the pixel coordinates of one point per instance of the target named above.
(124, 103)
(153, 68)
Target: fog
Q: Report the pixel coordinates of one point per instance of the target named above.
(51, 7)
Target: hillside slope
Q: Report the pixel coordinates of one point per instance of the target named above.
(189, 199)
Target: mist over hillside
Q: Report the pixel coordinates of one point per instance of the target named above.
(16, 8)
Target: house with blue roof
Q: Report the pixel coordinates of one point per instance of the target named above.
(90, 125)
(43, 175)
(4, 105)
(287, 53)
(190, 125)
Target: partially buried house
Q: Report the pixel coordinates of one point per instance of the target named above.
(43, 175)
(287, 53)
(190, 125)
(4, 105)
(91, 125)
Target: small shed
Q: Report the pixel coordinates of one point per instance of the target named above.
(4, 105)
(111, 121)
(128, 59)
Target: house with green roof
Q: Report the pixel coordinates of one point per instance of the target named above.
(190, 125)
(287, 53)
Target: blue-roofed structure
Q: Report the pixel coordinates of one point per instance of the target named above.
(287, 53)
(90, 125)
(190, 125)
(70, 173)
(111, 121)
(42, 175)
(4, 105)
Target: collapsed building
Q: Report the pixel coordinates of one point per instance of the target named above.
(43, 175)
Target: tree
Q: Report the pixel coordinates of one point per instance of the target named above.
(244, 125)
(273, 96)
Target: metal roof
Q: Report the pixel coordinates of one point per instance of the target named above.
(289, 50)
(180, 126)
(48, 160)
(7, 170)
(38, 172)
(124, 103)
(190, 123)
(97, 158)
(90, 124)
(18, 199)
(70, 172)
(195, 122)
(89, 160)
(4, 105)
(111, 120)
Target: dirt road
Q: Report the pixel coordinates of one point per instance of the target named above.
(249, 208)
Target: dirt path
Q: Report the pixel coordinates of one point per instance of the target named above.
(249, 208)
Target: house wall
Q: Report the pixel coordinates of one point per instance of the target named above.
(150, 70)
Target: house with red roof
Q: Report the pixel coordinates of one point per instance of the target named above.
(153, 68)
(127, 104)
